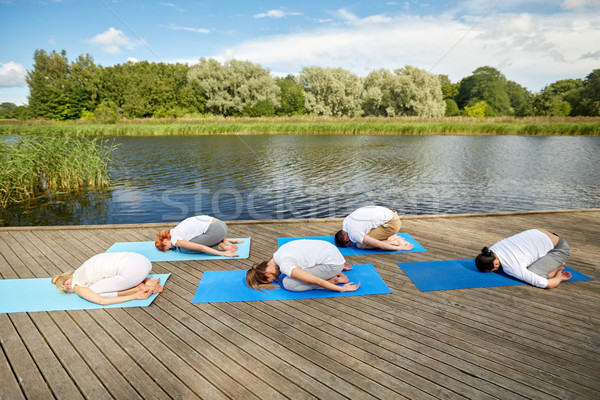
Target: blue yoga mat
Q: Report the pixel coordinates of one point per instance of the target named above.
(463, 274)
(149, 250)
(33, 295)
(352, 250)
(228, 286)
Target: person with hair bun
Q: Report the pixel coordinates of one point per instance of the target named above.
(307, 264)
(110, 278)
(201, 233)
(535, 256)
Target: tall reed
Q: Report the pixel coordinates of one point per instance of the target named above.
(32, 166)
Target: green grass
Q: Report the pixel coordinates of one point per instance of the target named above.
(35, 165)
(307, 125)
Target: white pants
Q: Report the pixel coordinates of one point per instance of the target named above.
(136, 269)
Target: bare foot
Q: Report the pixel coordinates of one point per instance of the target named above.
(395, 240)
(151, 284)
(339, 278)
(156, 289)
(227, 246)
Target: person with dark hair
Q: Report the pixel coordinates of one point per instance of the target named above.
(372, 227)
(307, 264)
(535, 256)
(201, 233)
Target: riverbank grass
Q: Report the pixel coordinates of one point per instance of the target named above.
(310, 125)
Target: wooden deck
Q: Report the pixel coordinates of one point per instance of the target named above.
(506, 342)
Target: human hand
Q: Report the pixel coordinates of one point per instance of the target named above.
(229, 253)
(565, 276)
(404, 245)
(347, 267)
(142, 294)
(350, 287)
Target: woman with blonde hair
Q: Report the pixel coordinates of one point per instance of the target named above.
(110, 278)
(307, 264)
(201, 233)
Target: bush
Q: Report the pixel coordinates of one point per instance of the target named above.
(107, 112)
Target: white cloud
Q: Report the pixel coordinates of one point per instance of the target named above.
(594, 56)
(112, 41)
(579, 5)
(532, 50)
(187, 29)
(276, 14)
(12, 75)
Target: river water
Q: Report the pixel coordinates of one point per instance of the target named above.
(165, 179)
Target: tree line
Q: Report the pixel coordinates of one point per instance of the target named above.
(81, 90)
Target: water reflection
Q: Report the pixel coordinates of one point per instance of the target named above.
(157, 179)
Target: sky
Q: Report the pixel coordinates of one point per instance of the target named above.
(531, 42)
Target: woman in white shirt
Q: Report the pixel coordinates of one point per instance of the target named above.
(201, 233)
(110, 278)
(306, 264)
(535, 256)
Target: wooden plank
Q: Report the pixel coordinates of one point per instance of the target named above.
(9, 384)
(25, 370)
(51, 369)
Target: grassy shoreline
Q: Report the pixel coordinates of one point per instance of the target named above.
(310, 125)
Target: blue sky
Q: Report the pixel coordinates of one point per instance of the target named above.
(532, 42)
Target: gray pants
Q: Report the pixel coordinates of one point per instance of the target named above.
(552, 260)
(215, 233)
(323, 271)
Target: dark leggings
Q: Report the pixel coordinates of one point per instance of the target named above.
(214, 235)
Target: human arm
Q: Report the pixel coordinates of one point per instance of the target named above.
(307, 277)
(381, 244)
(204, 249)
(90, 295)
(557, 277)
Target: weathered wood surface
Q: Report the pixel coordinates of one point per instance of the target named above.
(505, 342)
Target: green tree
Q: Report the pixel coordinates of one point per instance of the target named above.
(556, 99)
(48, 82)
(143, 89)
(449, 90)
(589, 101)
(6, 110)
(331, 91)
(488, 84)
(235, 86)
(82, 86)
(518, 97)
(407, 91)
(451, 108)
(292, 100)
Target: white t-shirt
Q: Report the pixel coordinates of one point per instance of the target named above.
(518, 252)
(361, 221)
(306, 253)
(190, 228)
(98, 267)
